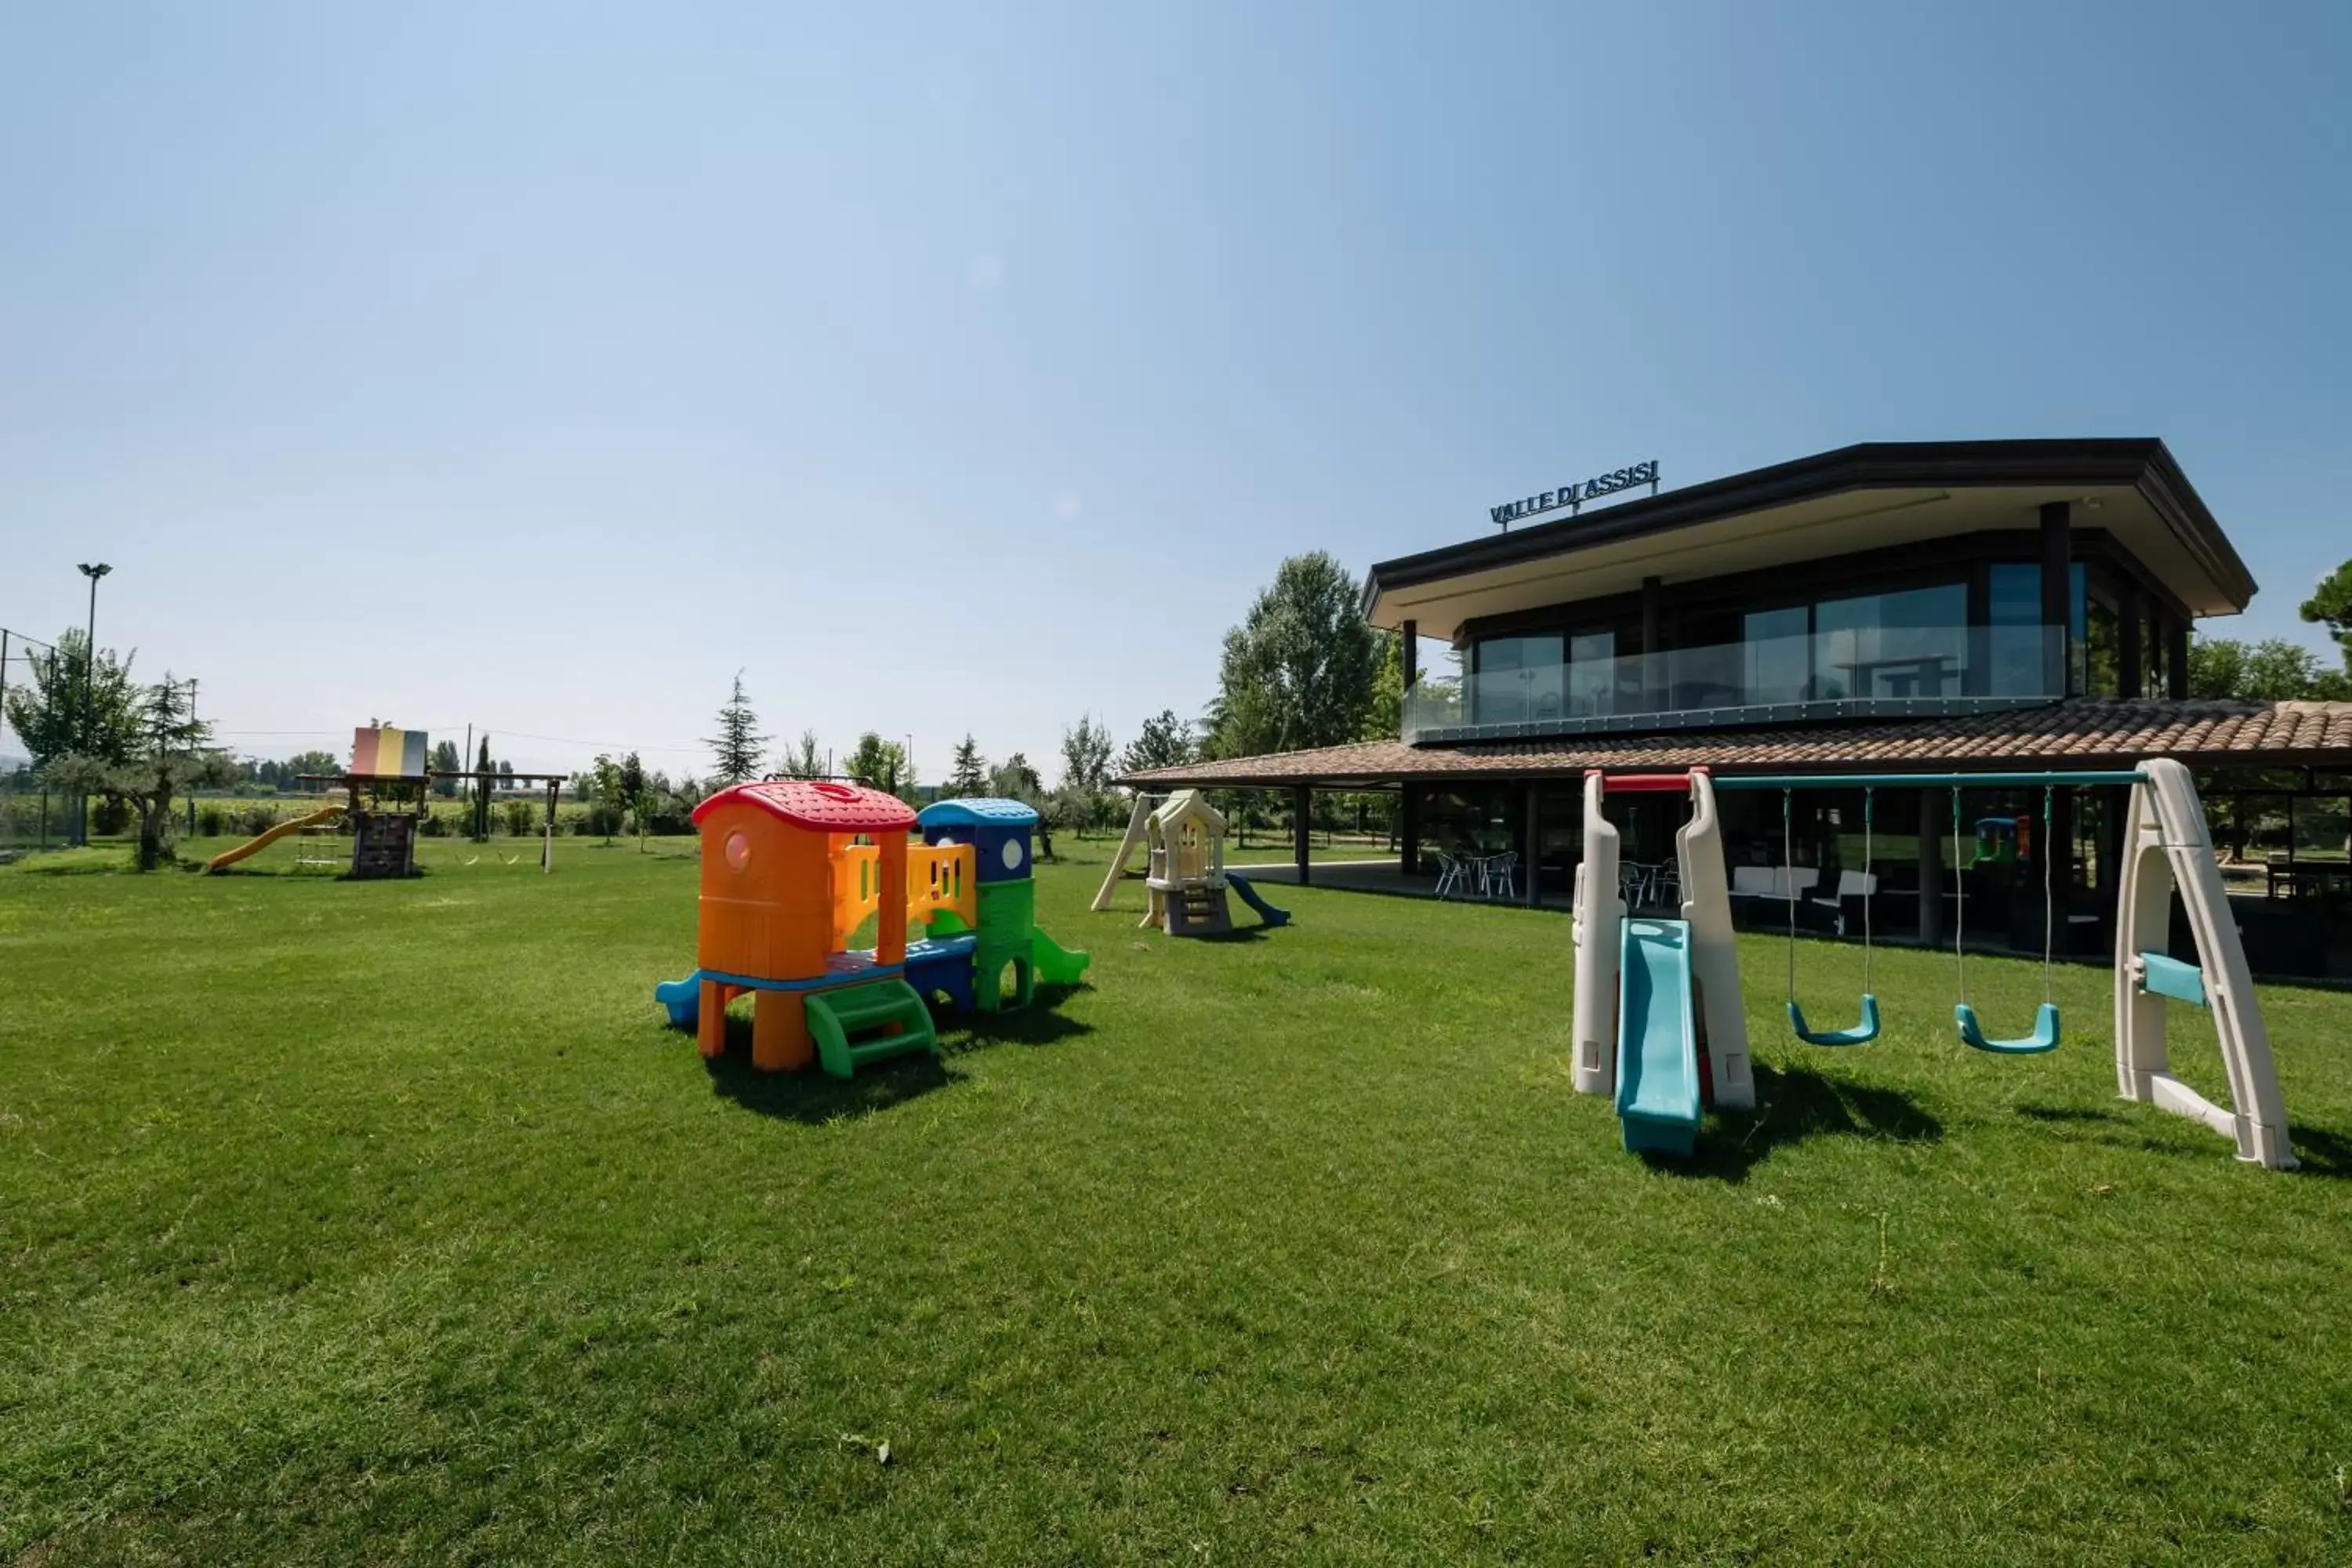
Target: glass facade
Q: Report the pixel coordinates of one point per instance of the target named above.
(1914, 643)
(1521, 679)
(1974, 636)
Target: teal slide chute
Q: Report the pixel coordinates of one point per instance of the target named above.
(1657, 1037)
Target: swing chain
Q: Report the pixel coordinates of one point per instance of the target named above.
(2049, 896)
(1959, 900)
(1869, 881)
(1789, 884)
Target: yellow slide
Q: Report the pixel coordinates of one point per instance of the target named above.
(231, 856)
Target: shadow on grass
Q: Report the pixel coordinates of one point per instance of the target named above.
(2319, 1152)
(1794, 1105)
(1042, 1022)
(814, 1097)
(2323, 1154)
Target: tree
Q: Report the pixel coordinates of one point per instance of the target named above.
(485, 780)
(446, 761)
(1086, 754)
(1014, 779)
(73, 706)
(169, 756)
(969, 773)
(310, 762)
(801, 759)
(880, 765)
(1165, 742)
(2273, 670)
(736, 748)
(633, 785)
(1384, 717)
(2330, 605)
(1298, 672)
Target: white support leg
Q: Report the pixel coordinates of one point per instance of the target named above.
(2166, 845)
(1715, 957)
(1144, 805)
(1594, 929)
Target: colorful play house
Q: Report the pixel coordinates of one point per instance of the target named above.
(791, 871)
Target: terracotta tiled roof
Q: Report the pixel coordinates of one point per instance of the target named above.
(2084, 732)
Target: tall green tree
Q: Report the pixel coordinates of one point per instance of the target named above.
(635, 791)
(485, 781)
(1298, 672)
(1164, 742)
(968, 774)
(2330, 605)
(445, 760)
(74, 706)
(1014, 779)
(606, 781)
(801, 759)
(170, 752)
(1086, 753)
(735, 751)
(880, 765)
(2273, 670)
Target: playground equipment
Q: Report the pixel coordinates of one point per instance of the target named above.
(1644, 1044)
(1658, 1020)
(291, 826)
(1186, 880)
(1865, 1029)
(792, 869)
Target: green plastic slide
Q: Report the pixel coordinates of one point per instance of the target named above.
(1052, 963)
(1657, 1038)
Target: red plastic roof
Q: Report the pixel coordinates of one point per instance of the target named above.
(825, 806)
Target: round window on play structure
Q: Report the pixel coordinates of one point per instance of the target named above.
(1012, 854)
(739, 851)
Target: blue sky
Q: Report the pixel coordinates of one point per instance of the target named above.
(968, 367)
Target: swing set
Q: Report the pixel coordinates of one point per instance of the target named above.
(1688, 976)
(2046, 1024)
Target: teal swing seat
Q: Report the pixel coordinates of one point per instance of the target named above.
(2045, 1022)
(2043, 1038)
(1862, 1034)
(1867, 1030)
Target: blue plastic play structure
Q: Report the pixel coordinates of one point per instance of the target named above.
(1249, 895)
(1657, 1038)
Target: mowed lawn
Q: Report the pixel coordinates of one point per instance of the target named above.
(366, 1223)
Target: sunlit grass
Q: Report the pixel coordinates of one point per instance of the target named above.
(363, 1222)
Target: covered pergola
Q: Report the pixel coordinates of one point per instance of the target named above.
(2083, 734)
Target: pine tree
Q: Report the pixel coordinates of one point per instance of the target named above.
(969, 775)
(737, 747)
(482, 791)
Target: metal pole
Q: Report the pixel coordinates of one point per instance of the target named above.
(191, 753)
(88, 690)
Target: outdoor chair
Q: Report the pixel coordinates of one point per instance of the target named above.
(1497, 875)
(1451, 873)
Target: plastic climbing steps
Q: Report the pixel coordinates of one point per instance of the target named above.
(867, 1023)
(1197, 910)
(1657, 1038)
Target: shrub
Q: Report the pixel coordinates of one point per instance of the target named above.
(211, 820)
(600, 821)
(521, 819)
(255, 820)
(109, 817)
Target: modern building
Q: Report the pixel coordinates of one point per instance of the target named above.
(1913, 607)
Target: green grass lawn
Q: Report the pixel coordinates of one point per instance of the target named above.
(362, 1223)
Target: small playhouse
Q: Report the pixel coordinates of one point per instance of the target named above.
(1187, 879)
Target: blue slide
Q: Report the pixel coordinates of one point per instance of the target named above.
(1657, 1038)
(1265, 911)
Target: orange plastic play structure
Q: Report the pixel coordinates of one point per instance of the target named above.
(791, 869)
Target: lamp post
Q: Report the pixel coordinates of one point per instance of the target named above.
(88, 689)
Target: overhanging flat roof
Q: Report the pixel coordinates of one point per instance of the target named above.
(1863, 497)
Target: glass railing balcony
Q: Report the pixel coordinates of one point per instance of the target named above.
(1883, 670)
